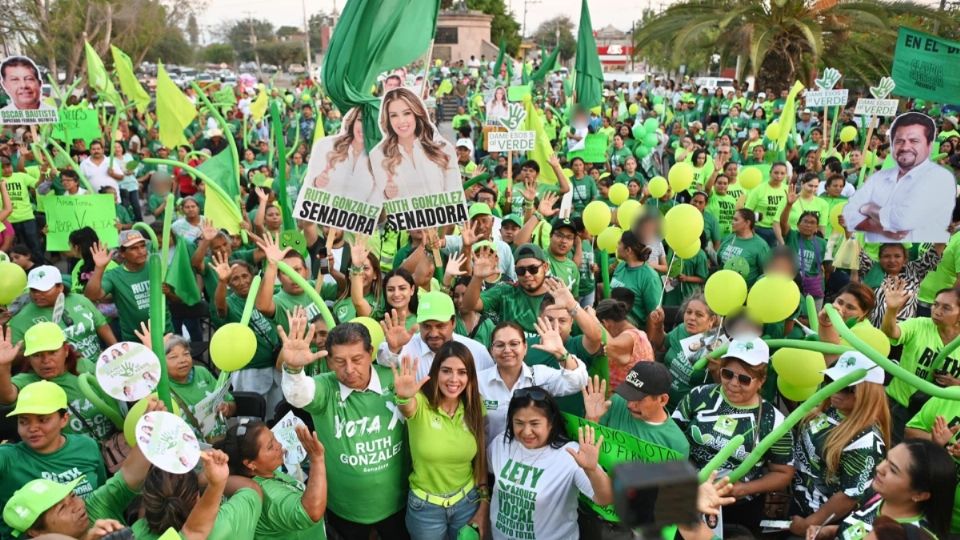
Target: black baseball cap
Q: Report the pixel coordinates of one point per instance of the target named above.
(564, 223)
(645, 379)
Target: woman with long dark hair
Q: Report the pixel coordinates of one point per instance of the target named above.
(341, 162)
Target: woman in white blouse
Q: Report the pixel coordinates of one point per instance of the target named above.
(412, 159)
(340, 164)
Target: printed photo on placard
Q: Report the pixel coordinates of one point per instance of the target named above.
(21, 81)
(912, 201)
(128, 371)
(497, 107)
(167, 442)
(339, 188)
(415, 167)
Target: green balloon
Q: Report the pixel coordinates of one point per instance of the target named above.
(642, 151)
(650, 139)
(651, 125)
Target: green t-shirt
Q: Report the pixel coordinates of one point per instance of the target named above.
(566, 271)
(584, 191)
(711, 228)
(813, 484)
(768, 201)
(131, 294)
(154, 201)
(645, 284)
(364, 439)
(78, 402)
(283, 516)
(482, 332)
(924, 420)
(200, 383)
(944, 275)
(442, 449)
(78, 279)
(263, 328)
(810, 252)
(859, 524)
(79, 456)
(744, 255)
(509, 302)
(110, 501)
(345, 311)
(722, 207)
(572, 404)
(618, 158)
(921, 344)
(817, 204)
(18, 187)
(666, 434)
(588, 281)
(236, 520)
(683, 376)
(710, 422)
(79, 322)
(695, 267)
(284, 301)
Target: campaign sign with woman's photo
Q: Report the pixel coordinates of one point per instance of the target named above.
(128, 371)
(415, 169)
(339, 189)
(21, 81)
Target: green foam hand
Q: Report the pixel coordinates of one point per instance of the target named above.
(828, 79)
(883, 89)
(515, 117)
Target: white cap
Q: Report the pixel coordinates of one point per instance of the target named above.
(952, 119)
(43, 278)
(851, 361)
(762, 95)
(213, 132)
(465, 142)
(753, 351)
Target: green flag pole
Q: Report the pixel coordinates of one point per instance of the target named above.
(73, 165)
(250, 301)
(311, 292)
(165, 241)
(158, 324)
(281, 181)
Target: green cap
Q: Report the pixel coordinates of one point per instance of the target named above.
(435, 306)
(484, 244)
(479, 209)
(530, 251)
(513, 218)
(45, 336)
(30, 502)
(41, 397)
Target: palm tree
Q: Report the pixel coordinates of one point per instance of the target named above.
(779, 41)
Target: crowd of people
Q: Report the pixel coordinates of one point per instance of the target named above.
(448, 416)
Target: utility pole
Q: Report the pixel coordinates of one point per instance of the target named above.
(306, 41)
(253, 43)
(525, 4)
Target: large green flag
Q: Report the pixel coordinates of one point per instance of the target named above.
(547, 64)
(498, 64)
(180, 276)
(541, 149)
(588, 87)
(174, 110)
(925, 66)
(371, 37)
(129, 84)
(220, 169)
(98, 78)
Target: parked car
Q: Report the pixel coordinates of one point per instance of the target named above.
(712, 83)
(296, 69)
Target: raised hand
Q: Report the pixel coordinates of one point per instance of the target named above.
(395, 331)
(215, 468)
(550, 340)
(588, 455)
(8, 350)
(561, 294)
(310, 443)
(271, 247)
(895, 294)
(546, 207)
(792, 194)
(530, 190)
(221, 266)
(262, 195)
(207, 230)
(454, 266)
(712, 495)
(101, 255)
(595, 400)
(470, 234)
(144, 334)
(478, 171)
(405, 382)
(358, 250)
(942, 433)
(296, 345)
(484, 263)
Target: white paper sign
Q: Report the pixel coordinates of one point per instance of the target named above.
(826, 98)
(511, 141)
(167, 442)
(286, 434)
(876, 107)
(205, 411)
(128, 371)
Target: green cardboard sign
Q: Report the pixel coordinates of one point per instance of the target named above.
(594, 150)
(925, 66)
(77, 122)
(618, 447)
(67, 213)
(517, 93)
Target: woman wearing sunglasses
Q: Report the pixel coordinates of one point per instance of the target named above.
(539, 472)
(711, 415)
(444, 415)
(839, 445)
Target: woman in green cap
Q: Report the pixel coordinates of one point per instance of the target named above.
(49, 357)
(45, 449)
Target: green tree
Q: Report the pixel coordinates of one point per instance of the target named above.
(218, 53)
(546, 36)
(246, 34)
(504, 24)
(780, 41)
(193, 31)
(316, 22)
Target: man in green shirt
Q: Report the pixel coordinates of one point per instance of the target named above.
(25, 227)
(520, 302)
(129, 284)
(563, 241)
(355, 415)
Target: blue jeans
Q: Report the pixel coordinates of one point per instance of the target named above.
(767, 234)
(428, 521)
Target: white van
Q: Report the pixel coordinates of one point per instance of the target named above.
(712, 83)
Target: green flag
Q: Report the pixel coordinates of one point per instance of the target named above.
(588, 87)
(498, 64)
(174, 110)
(220, 170)
(98, 79)
(547, 64)
(371, 37)
(925, 66)
(180, 276)
(129, 84)
(541, 149)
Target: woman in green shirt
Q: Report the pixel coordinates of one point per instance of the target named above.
(445, 422)
(190, 384)
(636, 274)
(721, 204)
(743, 251)
(291, 510)
(365, 279)
(698, 320)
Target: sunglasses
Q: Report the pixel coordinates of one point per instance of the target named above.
(728, 374)
(534, 393)
(848, 390)
(529, 269)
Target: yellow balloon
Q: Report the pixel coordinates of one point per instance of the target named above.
(681, 176)
(725, 291)
(874, 338)
(796, 393)
(596, 217)
(627, 213)
(13, 280)
(658, 187)
(682, 226)
(773, 298)
(848, 133)
(618, 193)
(690, 251)
(232, 346)
(134, 414)
(376, 331)
(773, 131)
(608, 239)
(798, 367)
(835, 216)
(750, 177)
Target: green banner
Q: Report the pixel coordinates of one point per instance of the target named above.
(67, 213)
(594, 151)
(77, 122)
(517, 93)
(925, 66)
(618, 447)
